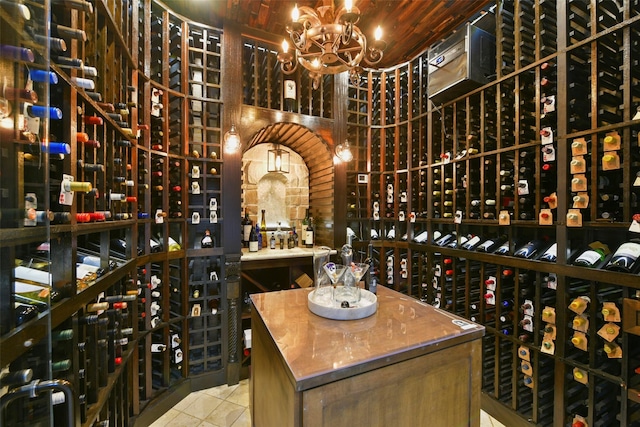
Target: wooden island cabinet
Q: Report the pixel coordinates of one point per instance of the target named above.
(409, 364)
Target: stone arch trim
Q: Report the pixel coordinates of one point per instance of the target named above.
(317, 154)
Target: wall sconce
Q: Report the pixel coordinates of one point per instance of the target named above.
(231, 140)
(278, 160)
(343, 152)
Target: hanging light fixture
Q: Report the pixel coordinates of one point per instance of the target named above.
(278, 159)
(343, 152)
(327, 41)
(231, 140)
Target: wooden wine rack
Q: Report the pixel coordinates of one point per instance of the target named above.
(469, 155)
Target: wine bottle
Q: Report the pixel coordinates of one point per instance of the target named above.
(246, 229)
(207, 239)
(253, 240)
(263, 228)
(491, 245)
(309, 235)
(625, 257)
(529, 250)
(590, 257)
(290, 96)
(550, 254)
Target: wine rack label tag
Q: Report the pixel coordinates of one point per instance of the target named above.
(195, 187)
(579, 147)
(550, 332)
(609, 331)
(528, 381)
(30, 202)
(579, 341)
(159, 217)
(546, 136)
(196, 106)
(527, 324)
(579, 183)
(548, 347)
(581, 376)
(611, 312)
(579, 421)
(524, 354)
(66, 197)
(196, 310)
(613, 350)
(581, 201)
(548, 154)
(457, 218)
(635, 226)
(31, 124)
(549, 316)
(611, 141)
(195, 172)
(490, 298)
(578, 165)
(580, 323)
(550, 106)
(526, 367)
(504, 218)
(195, 218)
(529, 310)
(579, 304)
(523, 187)
(155, 95)
(610, 161)
(545, 217)
(412, 217)
(574, 218)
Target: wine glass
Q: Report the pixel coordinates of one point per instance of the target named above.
(335, 272)
(350, 292)
(358, 270)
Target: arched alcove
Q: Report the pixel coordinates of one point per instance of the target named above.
(317, 156)
(284, 196)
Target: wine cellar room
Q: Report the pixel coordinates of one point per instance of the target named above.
(175, 183)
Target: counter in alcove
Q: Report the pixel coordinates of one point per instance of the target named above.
(406, 364)
(266, 266)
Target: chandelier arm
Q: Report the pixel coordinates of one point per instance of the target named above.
(289, 67)
(308, 17)
(373, 56)
(347, 33)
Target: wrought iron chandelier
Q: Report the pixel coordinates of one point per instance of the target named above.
(327, 41)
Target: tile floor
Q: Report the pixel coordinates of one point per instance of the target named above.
(228, 406)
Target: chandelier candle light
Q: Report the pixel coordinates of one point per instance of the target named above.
(329, 42)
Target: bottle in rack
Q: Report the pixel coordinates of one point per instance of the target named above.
(625, 258)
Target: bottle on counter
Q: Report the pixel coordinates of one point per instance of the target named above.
(295, 237)
(279, 236)
(260, 239)
(308, 234)
(246, 229)
(272, 241)
(253, 240)
(263, 228)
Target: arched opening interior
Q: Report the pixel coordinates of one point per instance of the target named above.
(309, 183)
